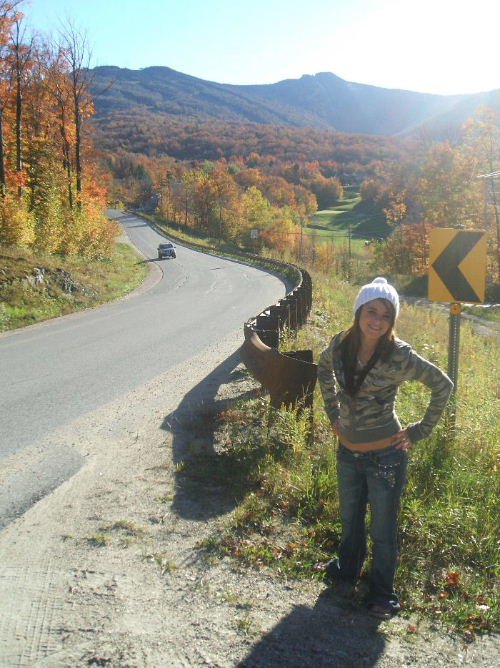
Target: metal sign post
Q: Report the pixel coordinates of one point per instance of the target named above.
(454, 343)
(457, 273)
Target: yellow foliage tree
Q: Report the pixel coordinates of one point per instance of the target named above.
(256, 210)
(17, 223)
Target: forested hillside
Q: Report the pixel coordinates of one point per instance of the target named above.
(226, 180)
(51, 193)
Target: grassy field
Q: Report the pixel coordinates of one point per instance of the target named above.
(38, 286)
(352, 217)
(450, 523)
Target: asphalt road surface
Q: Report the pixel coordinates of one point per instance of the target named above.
(58, 371)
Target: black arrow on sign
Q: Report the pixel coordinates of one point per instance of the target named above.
(447, 266)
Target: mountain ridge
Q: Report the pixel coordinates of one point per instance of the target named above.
(321, 101)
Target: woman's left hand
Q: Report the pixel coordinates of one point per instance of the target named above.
(401, 440)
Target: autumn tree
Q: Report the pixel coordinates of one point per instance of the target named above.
(76, 53)
(483, 141)
(42, 108)
(405, 252)
(256, 213)
(21, 57)
(438, 188)
(283, 232)
(60, 90)
(226, 202)
(9, 16)
(448, 192)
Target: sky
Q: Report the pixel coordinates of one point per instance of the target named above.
(444, 47)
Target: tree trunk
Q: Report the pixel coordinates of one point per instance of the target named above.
(3, 177)
(78, 141)
(66, 148)
(19, 119)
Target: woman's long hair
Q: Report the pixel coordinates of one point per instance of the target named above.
(350, 349)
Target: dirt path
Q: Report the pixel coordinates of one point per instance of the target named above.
(106, 571)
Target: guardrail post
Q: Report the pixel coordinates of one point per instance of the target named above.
(281, 313)
(307, 284)
(285, 309)
(267, 327)
(292, 302)
(301, 306)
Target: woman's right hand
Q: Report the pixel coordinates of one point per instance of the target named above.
(336, 428)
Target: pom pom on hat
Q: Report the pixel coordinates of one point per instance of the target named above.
(379, 288)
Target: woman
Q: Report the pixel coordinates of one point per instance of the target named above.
(359, 375)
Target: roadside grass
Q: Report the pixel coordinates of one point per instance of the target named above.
(450, 518)
(39, 286)
(489, 312)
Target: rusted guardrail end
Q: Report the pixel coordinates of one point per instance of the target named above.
(290, 378)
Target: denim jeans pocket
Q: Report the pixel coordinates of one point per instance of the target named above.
(389, 465)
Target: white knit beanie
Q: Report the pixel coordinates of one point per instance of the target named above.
(379, 288)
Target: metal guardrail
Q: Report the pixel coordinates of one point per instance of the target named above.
(289, 377)
(287, 315)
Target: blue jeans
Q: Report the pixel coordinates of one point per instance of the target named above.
(376, 478)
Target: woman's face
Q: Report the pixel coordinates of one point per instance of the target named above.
(375, 320)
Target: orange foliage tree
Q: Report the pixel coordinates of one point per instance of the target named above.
(45, 147)
(439, 188)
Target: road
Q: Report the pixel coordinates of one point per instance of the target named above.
(58, 371)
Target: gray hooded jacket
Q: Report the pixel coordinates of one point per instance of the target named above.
(370, 414)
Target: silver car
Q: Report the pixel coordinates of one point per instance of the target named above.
(166, 250)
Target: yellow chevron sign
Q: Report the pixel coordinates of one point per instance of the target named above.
(457, 265)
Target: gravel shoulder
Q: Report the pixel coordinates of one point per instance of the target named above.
(106, 570)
